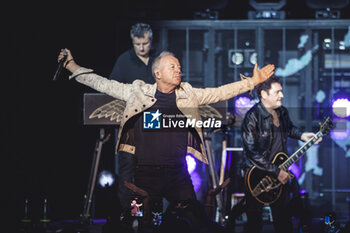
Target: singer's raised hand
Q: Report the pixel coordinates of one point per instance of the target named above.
(264, 73)
(69, 64)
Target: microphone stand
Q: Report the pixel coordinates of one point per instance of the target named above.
(85, 216)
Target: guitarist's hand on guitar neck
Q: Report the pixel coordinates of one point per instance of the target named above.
(283, 177)
(307, 136)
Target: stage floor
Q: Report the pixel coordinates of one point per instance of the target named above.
(99, 226)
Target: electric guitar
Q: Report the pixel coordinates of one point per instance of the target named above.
(267, 189)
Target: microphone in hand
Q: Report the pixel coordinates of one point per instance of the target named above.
(60, 65)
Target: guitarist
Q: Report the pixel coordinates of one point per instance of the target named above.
(265, 130)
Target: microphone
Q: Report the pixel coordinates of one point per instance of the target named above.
(60, 65)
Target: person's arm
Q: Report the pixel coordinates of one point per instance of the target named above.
(228, 91)
(87, 77)
(251, 144)
(294, 131)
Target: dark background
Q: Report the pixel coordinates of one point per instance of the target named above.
(46, 148)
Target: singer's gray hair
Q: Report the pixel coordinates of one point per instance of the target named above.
(139, 30)
(156, 62)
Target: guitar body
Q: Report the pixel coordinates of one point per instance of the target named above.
(265, 188)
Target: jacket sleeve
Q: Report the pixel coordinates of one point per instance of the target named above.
(224, 92)
(252, 146)
(110, 87)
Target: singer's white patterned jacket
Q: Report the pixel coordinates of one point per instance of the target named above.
(140, 96)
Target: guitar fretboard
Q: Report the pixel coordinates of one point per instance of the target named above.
(295, 157)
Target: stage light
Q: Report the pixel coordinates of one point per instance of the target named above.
(302, 191)
(341, 107)
(207, 14)
(242, 105)
(324, 4)
(105, 178)
(295, 169)
(341, 103)
(191, 163)
(242, 57)
(320, 96)
(327, 42)
(195, 177)
(338, 44)
(196, 181)
(341, 130)
(253, 58)
(267, 4)
(237, 58)
(327, 14)
(267, 9)
(327, 9)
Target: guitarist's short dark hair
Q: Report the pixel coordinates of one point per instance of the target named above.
(266, 86)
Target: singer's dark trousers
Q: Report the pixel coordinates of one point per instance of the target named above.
(184, 213)
(172, 182)
(126, 172)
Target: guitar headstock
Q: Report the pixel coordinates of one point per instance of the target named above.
(326, 126)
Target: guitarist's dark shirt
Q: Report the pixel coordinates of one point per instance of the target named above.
(276, 142)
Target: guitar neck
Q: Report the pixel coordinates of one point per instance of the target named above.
(295, 157)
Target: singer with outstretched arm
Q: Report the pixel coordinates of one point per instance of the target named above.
(161, 168)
